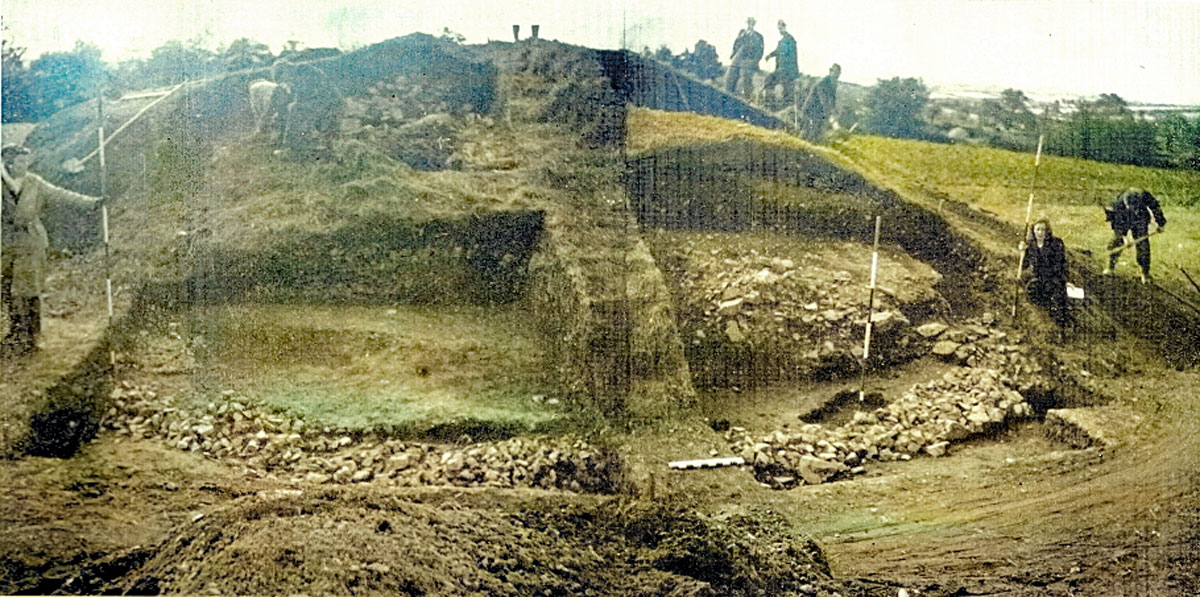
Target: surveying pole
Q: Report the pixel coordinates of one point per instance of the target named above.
(112, 355)
(862, 379)
(1025, 234)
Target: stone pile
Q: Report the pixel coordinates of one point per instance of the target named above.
(754, 299)
(981, 344)
(793, 317)
(273, 444)
(405, 99)
(770, 307)
(965, 402)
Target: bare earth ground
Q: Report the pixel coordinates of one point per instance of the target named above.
(1009, 514)
(1012, 514)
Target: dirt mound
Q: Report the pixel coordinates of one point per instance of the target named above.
(335, 542)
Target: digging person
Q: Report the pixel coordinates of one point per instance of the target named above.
(24, 248)
(747, 51)
(1130, 215)
(1045, 272)
(819, 104)
(786, 68)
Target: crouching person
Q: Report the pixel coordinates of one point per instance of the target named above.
(24, 246)
(1045, 272)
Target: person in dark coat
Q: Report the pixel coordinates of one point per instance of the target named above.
(747, 51)
(1130, 214)
(819, 104)
(786, 69)
(1045, 271)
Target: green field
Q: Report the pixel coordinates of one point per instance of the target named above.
(1069, 192)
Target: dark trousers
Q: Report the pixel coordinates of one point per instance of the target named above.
(785, 79)
(1143, 246)
(24, 317)
(739, 76)
(1051, 295)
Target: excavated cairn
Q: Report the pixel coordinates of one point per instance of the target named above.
(276, 445)
(967, 401)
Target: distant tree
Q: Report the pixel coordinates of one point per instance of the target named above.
(61, 79)
(128, 75)
(17, 100)
(177, 61)
(894, 107)
(246, 53)
(703, 61)
(663, 54)
(1111, 104)
(1107, 130)
(1011, 111)
(1179, 142)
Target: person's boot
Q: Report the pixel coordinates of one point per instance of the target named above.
(1145, 277)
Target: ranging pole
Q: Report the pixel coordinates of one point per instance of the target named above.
(104, 220)
(1025, 234)
(862, 379)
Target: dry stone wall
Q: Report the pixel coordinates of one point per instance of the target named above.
(983, 394)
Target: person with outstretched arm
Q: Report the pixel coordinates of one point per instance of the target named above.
(24, 246)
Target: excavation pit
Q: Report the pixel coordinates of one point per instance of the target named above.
(415, 370)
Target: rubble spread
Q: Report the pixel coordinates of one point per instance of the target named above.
(926, 419)
(277, 445)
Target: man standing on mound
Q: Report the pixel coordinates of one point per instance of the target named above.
(747, 51)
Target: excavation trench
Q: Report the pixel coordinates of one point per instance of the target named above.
(767, 252)
(745, 214)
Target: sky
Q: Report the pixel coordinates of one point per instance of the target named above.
(1144, 51)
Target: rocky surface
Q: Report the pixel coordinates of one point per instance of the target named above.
(926, 420)
(985, 392)
(276, 445)
(793, 305)
(1098, 427)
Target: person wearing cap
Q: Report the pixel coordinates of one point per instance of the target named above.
(1130, 214)
(24, 245)
(786, 69)
(747, 51)
(819, 104)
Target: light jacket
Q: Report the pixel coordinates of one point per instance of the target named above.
(25, 245)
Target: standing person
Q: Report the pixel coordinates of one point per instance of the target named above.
(786, 69)
(819, 104)
(1045, 271)
(747, 51)
(1130, 214)
(24, 250)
